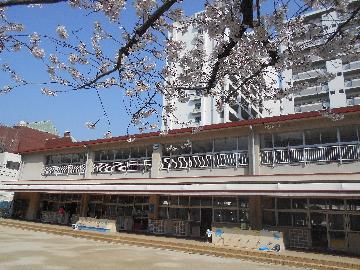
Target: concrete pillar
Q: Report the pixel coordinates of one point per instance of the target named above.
(255, 212)
(156, 161)
(84, 206)
(154, 206)
(90, 157)
(34, 204)
(254, 152)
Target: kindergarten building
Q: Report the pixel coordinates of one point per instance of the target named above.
(296, 174)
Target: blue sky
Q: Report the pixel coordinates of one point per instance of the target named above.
(68, 111)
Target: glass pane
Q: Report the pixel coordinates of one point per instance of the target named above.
(195, 214)
(269, 218)
(75, 158)
(266, 141)
(242, 143)
(206, 201)
(202, 146)
(348, 134)
(225, 202)
(163, 213)
(122, 153)
(178, 148)
(138, 152)
(353, 205)
(336, 222)
(268, 203)
(97, 156)
(184, 200)
(299, 203)
(174, 200)
(283, 203)
(243, 216)
(82, 158)
(355, 222)
(164, 200)
(281, 140)
(284, 219)
(300, 219)
(66, 159)
(336, 204)
(195, 201)
(243, 202)
(312, 137)
(329, 136)
(225, 144)
(223, 215)
(318, 204)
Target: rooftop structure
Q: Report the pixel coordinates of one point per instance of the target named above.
(44, 126)
(21, 138)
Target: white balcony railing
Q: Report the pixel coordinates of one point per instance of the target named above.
(67, 169)
(352, 83)
(123, 166)
(205, 161)
(354, 101)
(309, 74)
(352, 66)
(312, 107)
(314, 90)
(308, 154)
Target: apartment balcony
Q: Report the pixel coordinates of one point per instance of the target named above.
(65, 169)
(205, 161)
(310, 43)
(309, 74)
(352, 66)
(354, 83)
(314, 90)
(311, 107)
(354, 101)
(133, 165)
(196, 110)
(309, 154)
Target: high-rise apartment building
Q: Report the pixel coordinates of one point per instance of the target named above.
(310, 94)
(307, 93)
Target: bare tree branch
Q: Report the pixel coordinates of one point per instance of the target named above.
(9, 3)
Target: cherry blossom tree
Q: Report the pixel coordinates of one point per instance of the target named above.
(252, 38)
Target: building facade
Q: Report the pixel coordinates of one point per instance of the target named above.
(296, 174)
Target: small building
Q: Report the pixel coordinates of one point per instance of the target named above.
(297, 175)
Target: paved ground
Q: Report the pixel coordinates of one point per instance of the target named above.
(27, 250)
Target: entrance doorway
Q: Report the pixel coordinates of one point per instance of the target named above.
(206, 220)
(319, 230)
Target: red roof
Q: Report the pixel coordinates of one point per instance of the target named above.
(22, 139)
(253, 122)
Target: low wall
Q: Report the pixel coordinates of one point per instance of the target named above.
(94, 224)
(234, 236)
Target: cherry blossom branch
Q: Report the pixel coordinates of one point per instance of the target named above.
(10, 3)
(342, 25)
(126, 49)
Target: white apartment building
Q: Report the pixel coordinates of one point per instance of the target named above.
(342, 91)
(201, 110)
